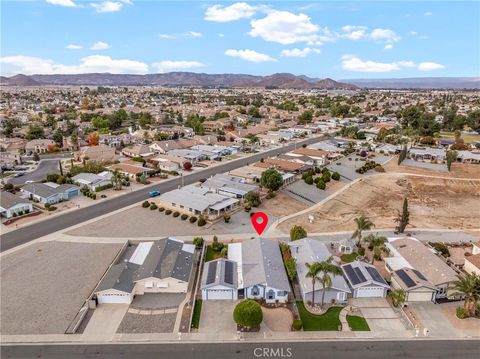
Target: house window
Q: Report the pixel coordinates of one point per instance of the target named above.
(341, 296)
(271, 294)
(255, 290)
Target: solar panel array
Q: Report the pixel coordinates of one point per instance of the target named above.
(212, 270)
(352, 274)
(229, 272)
(419, 274)
(360, 275)
(375, 275)
(405, 278)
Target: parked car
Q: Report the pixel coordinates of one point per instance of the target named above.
(154, 193)
(19, 174)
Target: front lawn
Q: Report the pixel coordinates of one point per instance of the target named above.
(357, 323)
(466, 138)
(211, 254)
(347, 258)
(325, 322)
(196, 313)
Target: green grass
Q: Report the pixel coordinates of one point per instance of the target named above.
(197, 310)
(347, 258)
(357, 323)
(211, 254)
(466, 138)
(326, 322)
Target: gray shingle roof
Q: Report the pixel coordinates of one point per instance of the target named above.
(8, 200)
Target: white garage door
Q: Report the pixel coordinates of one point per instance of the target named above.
(108, 298)
(213, 294)
(419, 297)
(370, 292)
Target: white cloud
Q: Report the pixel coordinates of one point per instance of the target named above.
(193, 34)
(287, 28)
(388, 47)
(429, 66)
(67, 3)
(250, 55)
(107, 6)
(428, 13)
(413, 33)
(237, 11)
(353, 32)
(74, 47)
(386, 35)
(353, 63)
(95, 63)
(221, 35)
(168, 65)
(100, 45)
(299, 52)
(166, 36)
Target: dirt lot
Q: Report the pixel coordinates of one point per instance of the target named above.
(433, 203)
(281, 205)
(44, 285)
(459, 170)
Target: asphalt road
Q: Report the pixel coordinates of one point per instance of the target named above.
(45, 167)
(40, 229)
(465, 349)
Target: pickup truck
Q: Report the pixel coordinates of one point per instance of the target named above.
(154, 193)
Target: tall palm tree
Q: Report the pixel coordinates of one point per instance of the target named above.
(117, 180)
(377, 244)
(398, 297)
(325, 269)
(469, 286)
(363, 224)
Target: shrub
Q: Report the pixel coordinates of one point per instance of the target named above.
(226, 217)
(198, 242)
(253, 199)
(201, 222)
(183, 217)
(309, 180)
(297, 325)
(153, 206)
(161, 209)
(248, 208)
(176, 214)
(9, 187)
(361, 251)
(101, 188)
(460, 312)
(168, 212)
(317, 170)
(326, 177)
(297, 232)
(321, 185)
(52, 208)
(248, 314)
(15, 214)
(440, 247)
(146, 204)
(270, 195)
(193, 219)
(379, 168)
(47, 205)
(336, 176)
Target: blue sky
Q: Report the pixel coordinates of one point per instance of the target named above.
(381, 39)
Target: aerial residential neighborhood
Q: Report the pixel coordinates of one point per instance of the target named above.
(185, 179)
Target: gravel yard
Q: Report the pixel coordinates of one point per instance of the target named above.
(139, 323)
(45, 284)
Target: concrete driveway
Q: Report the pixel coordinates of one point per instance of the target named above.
(105, 321)
(44, 167)
(217, 317)
(379, 314)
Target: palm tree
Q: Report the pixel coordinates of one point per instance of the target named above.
(376, 243)
(325, 269)
(468, 286)
(363, 224)
(117, 180)
(398, 297)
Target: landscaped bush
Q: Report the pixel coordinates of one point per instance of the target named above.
(379, 168)
(161, 209)
(101, 188)
(270, 195)
(168, 212)
(198, 242)
(297, 324)
(336, 176)
(326, 177)
(440, 247)
(361, 251)
(321, 185)
(317, 170)
(248, 314)
(248, 208)
(309, 180)
(226, 217)
(193, 219)
(201, 222)
(153, 206)
(460, 312)
(176, 214)
(183, 217)
(47, 205)
(52, 208)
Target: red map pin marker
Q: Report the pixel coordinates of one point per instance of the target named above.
(259, 221)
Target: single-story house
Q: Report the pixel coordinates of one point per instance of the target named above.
(307, 250)
(11, 205)
(39, 145)
(161, 266)
(228, 186)
(364, 280)
(388, 148)
(189, 155)
(468, 157)
(93, 181)
(424, 260)
(50, 192)
(283, 165)
(427, 154)
(416, 286)
(250, 173)
(131, 170)
(319, 157)
(138, 151)
(260, 270)
(198, 201)
(219, 280)
(472, 263)
(96, 153)
(164, 146)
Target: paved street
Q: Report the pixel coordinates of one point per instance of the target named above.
(465, 349)
(45, 167)
(37, 230)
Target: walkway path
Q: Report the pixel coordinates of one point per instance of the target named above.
(343, 319)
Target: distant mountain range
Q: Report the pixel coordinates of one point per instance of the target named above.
(419, 83)
(281, 81)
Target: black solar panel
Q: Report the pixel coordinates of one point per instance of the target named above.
(360, 275)
(212, 270)
(375, 275)
(229, 272)
(405, 278)
(351, 274)
(419, 274)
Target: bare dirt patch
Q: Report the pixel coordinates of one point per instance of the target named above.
(281, 205)
(433, 203)
(278, 319)
(459, 170)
